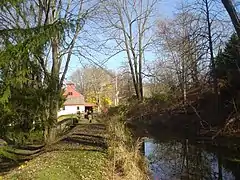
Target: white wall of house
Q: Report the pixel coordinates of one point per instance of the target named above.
(71, 110)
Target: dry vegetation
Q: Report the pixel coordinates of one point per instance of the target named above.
(126, 160)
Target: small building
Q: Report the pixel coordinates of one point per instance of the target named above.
(75, 101)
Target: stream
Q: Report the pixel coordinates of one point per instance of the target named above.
(178, 159)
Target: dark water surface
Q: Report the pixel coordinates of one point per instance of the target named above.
(178, 159)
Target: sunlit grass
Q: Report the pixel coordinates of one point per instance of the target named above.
(68, 116)
(74, 165)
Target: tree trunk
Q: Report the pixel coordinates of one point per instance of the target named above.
(141, 29)
(140, 68)
(213, 68)
(50, 126)
(50, 135)
(220, 173)
(228, 4)
(184, 78)
(193, 59)
(131, 66)
(54, 93)
(134, 79)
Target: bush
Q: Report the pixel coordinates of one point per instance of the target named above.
(23, 138)
(160, 98)
(121, 110)
(5, 154)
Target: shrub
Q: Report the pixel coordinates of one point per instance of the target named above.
(160, 98)
(22, 138)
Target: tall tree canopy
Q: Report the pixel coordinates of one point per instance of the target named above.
(38, 39)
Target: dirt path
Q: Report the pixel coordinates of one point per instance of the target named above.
(81, 154)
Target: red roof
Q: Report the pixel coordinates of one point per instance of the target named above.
(74, 97)
(70, 91)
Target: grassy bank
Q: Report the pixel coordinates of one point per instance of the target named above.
(126, 160)
(68, 116)
(93, 151)
(79, 155)
(62, 165)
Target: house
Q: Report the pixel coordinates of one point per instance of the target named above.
(74, 102)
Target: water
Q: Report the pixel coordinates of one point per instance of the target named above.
(178, 159)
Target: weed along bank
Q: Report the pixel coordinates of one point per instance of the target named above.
(124, 150)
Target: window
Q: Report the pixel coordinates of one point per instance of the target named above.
(70, 93)
(77, 107)
(63, 108)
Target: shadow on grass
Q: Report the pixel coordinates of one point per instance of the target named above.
(7, 165)
(85, 141)
(93, 126)
(90, 136)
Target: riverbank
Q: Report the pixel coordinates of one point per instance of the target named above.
(200, 115)
(100, 150)
(127, 161)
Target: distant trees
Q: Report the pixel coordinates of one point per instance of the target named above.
(187, 45)
(125, 86)
(180, 40)
(96, 84)
(129, 24)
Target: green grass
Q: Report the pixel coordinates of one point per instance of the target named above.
(63, 165)
(68, 116)
(4, 153)
(75, 157)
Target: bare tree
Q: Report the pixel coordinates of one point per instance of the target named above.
(228, 4)
(96, 84)
(189, 42)
(210, 42)
(214, 32)
(181, 43)
(129, 23)
(125, 85)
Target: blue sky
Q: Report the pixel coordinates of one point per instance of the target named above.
(165, 10)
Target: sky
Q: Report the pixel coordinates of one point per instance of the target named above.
(165, 10)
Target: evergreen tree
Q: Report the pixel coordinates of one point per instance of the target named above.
(228, 62)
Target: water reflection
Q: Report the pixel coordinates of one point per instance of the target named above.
(175, 159)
